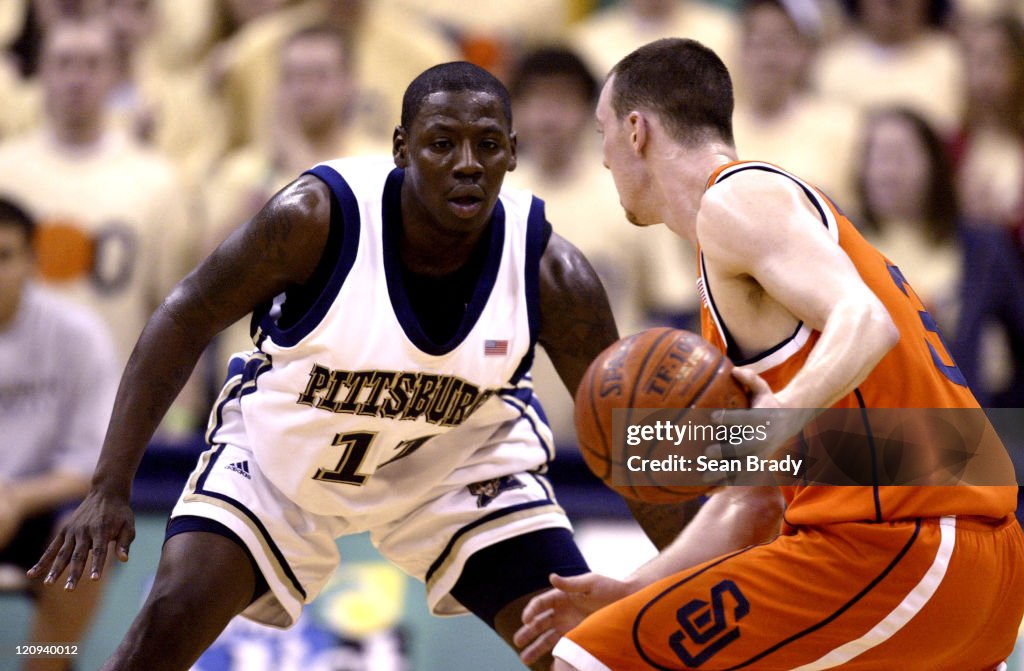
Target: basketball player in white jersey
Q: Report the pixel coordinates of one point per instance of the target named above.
(396, 311)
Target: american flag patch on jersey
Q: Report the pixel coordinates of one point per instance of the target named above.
(495, 348)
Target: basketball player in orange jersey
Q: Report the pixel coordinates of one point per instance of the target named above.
(860, 578)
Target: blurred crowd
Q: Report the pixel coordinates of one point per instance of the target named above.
(140, 133)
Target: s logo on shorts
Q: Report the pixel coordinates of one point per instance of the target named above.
(706, 628)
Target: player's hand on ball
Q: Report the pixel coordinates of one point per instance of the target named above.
(550, 615)
(98, 521)
(771, 426)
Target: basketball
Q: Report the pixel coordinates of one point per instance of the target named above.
(663, 368)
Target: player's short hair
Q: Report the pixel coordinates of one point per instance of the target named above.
(683, 82)
(452, 77)
(553, 61)
(12, 214)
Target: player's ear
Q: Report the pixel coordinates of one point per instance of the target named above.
(400, 147)
(638, 131)
(513, 143)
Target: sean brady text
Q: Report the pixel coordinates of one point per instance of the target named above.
(701, 464)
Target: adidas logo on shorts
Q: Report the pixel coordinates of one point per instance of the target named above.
(240, 467)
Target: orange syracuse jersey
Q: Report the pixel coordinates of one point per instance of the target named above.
(917, 373)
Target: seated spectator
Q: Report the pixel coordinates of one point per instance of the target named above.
(910, 209)
(989, 346)
(56, 393)
(896, 54)
(313, 122)
(390, 46)
(172, 110)
(989, 148)
(608, 34)
(778, 118)
(113, 221)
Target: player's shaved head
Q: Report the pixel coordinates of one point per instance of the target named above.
(452, 77)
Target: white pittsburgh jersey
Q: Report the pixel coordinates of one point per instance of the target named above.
(351, 410)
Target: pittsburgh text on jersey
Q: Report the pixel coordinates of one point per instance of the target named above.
(445, 400)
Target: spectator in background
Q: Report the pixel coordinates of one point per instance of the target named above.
(910, 209)
(777, 118)
(186, 32)
(15, 113)
(56, 392)
(389, 46)
(607, 35)
(989, 346)
(553, 97)
(313, 122)
(896, 53)
(171, 110)
(20, 95)
(989, 147)
(114, 234)
(497, 32)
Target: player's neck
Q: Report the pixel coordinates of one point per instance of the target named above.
(682, 178)
(425, 249)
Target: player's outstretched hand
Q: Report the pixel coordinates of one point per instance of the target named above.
(98, 521)
(550, 615)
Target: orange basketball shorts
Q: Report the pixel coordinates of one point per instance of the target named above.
(928, 595)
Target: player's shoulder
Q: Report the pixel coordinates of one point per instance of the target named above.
(752, 203)
(562, 258)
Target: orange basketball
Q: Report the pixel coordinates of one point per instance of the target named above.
(658, 368)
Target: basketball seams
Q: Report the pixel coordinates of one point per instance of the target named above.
(641, 373)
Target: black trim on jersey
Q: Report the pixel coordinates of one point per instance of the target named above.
(795, 637)
(874, 454)
(538, 234)
(282, 562)
(807, 191)
(474, 524)
(236, 366)
(392, 226)
(498, 574)
(525, 399)
(305, 306)
(731, 350)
